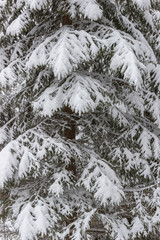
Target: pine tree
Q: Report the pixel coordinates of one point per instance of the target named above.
(80, 118)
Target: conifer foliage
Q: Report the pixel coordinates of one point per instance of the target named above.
(80, 118)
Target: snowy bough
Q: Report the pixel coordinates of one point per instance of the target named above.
(80, 118)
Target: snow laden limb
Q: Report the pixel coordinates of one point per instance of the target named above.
(10, 64)
(149, 144)
(8, 161)
(25, 154)
(117, 114)
(89, 8)
(101, 180)
(137, 228)
(138, 160)
(136, 102)
(36, 4)
(131, 161)
(152, 97)
(153, 106)
(143, 11)
(43, 212)
(120, 229)
(35, 218)
(136, 34)
(125, 59)
(17, 51)
(156, 17)
(81, 92)
(155, 203)
(25, 223)
(33, 4)
(141, 223)
(8, 75)
(79, 226)
(155, 73)
(3, 134)
(7, 68)
(3, 59)
(19, 24)
(145, 5)
(129, 56)
(145, 144)
(59, 178)
(58, 51)
(3, 3)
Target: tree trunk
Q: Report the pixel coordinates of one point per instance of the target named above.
(70, 133)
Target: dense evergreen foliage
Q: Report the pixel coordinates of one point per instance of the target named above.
(80, 118)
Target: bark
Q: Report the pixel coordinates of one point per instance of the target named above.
(70, 133)
(66, 20)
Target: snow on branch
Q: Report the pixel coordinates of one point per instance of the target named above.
(129, 56)
(58, 51)
(142, 4)
(89, 8)
(20, 23)
(34, 219)
(36, 4)
(24, 155)
(101, 180)
(80, 91)
(3, 59)
(8, 74)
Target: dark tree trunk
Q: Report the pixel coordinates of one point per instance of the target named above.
(66, 20)
(70, 134)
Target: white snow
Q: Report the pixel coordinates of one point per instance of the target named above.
(58, 51)
(8, 162)
(144, 4)
(81, 92)
(18, 24)
(89, 8)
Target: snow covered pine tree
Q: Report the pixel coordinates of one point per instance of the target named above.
(80, 120)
